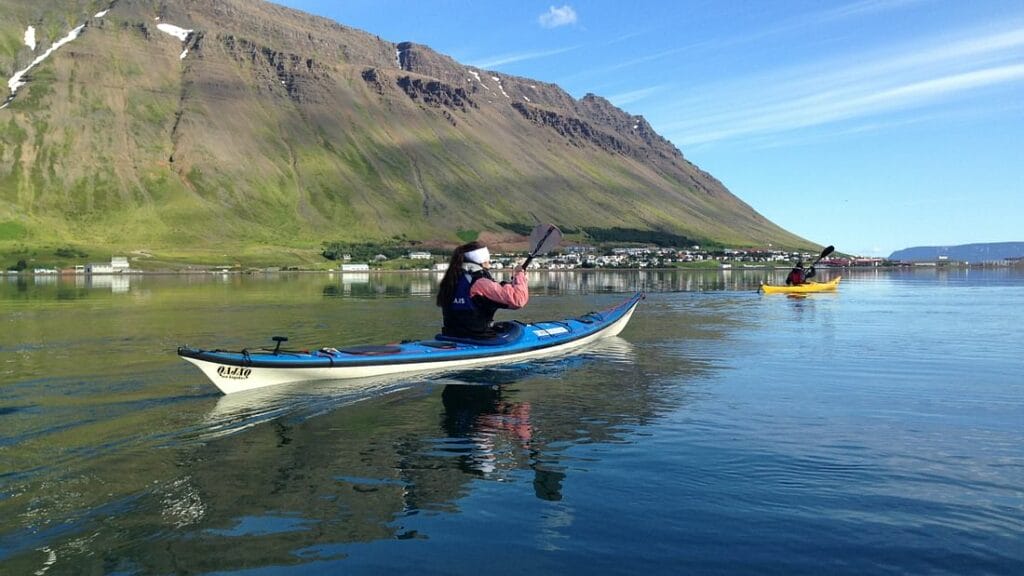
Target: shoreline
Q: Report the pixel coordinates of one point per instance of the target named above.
(733, 268)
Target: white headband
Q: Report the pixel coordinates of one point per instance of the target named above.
(479, 256)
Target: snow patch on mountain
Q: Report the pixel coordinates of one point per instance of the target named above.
(498, 80)
(176, 31)
(16, 81)
(477, 76)
(30, 38)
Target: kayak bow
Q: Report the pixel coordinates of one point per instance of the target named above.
(249, 369)
(802, 288)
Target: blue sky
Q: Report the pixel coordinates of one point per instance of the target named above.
(872, 125)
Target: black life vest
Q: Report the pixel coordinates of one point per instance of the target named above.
(470, 317)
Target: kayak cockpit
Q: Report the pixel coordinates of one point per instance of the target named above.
(505, 333)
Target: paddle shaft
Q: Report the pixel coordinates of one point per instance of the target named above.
(828, 250)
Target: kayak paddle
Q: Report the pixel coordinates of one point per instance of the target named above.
(828, 250)
(543, 238)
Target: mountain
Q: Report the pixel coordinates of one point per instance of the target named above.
(973, 253)
(201, 129)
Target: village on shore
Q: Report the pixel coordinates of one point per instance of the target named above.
(574, 257)
(588, 257)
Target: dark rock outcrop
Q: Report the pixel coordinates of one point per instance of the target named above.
(435, 93)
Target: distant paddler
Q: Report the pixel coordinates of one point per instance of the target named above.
(800, 275)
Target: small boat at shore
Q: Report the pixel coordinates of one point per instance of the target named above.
(250, 369)
(806, 288)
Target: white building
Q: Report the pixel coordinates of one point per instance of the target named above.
(355, 267)
(420, 256)
(118, 265)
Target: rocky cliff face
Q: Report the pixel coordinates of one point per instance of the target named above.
(188, 123)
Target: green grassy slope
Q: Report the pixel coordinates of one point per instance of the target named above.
(272, 136)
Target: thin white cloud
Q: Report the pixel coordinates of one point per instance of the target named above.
(840, 90)
(812, 20)
(632, 62)
(626, 98)
(495, 61)
(948, 117)
(807, 21)
(860, 8)
(556, 17)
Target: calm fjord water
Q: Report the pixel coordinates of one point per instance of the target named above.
(878, 430)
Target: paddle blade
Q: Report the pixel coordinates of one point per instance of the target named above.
(543, 238)
(828, 250)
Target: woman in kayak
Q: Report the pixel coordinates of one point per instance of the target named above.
(798, 276)
(469, 296)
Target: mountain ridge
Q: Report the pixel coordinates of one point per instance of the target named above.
(973, 253)
(268, 130)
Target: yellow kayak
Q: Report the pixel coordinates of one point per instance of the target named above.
(803, 288)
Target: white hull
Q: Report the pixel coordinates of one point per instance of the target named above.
(239, 379)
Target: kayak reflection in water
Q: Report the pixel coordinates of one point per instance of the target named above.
(469, 296)
(502, 435)
(798, 276)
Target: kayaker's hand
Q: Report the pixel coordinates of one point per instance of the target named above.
(518, 268)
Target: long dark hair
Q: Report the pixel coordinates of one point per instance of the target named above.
(451, 276)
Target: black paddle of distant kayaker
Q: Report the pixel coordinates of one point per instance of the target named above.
(828, 250)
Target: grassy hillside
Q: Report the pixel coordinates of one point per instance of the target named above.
(268, 132)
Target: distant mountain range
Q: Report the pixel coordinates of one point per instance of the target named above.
(239, 128)
(973, 253)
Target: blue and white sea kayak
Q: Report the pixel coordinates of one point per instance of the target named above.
(249, 369)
